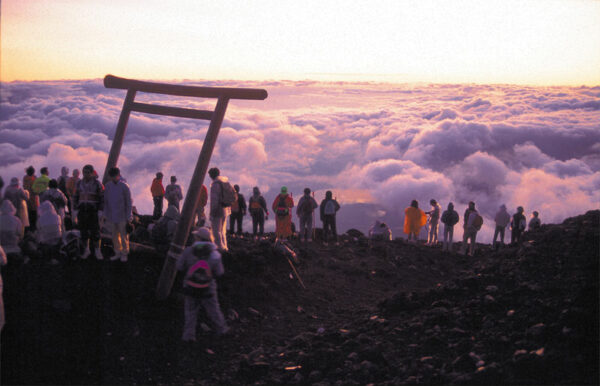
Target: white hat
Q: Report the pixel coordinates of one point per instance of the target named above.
(203, 233)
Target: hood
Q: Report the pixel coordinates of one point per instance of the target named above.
(46, 207)
(64, 171)
(450, 206)
(14, 181)
(503, 208)
(7, 208)
(256, 191)
(172, 213)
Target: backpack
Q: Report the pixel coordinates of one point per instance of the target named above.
(235, 206)
(172, 196)
(329, 208)
(306, 208)
(282, 209)
(255, 204)
(199, 276)
(160, 231)
(228, 194)
(477, 221)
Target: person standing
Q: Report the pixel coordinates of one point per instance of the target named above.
(118, 212)
(502, 220)
(62, 185)
(18, 196)
(535, 222)
(414, 220)
(258, 210)
(71, 187)
(328, 212)
(3, 261)
(238, 211)
(57, 198)
(449, 219)
(11, 228)
(219, 211)
(49, 231)
(305, 211)
(201, 264)
(89, 202)
(202, 201)
(173, 193)
(40, 184)
(33, 201)
(282, 206)
(517, 225)
(472, 224)
(158, 193)
(434, 219)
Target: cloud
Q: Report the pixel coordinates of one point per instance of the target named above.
(378, 146)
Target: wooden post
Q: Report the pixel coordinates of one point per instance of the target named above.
(115, 149)
(188, 212)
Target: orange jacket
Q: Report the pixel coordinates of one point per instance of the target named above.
(414, 219)
(157, 188)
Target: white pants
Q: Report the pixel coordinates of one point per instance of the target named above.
(219, 230)
(120, 238)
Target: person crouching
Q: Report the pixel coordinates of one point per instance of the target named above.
(201, 265)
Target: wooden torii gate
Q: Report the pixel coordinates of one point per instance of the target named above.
(215, 117)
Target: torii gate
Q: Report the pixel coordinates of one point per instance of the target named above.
(192, 197)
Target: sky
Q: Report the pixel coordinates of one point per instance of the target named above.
(380, 102)
(532, 42)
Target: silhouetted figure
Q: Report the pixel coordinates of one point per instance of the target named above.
(89, 202)
(472, 224)
(534, 222)
(502, 220)
(238, 211)
(158, 193)
(306, 211)
(258, 209)
(517, 225)
(219, 209)
(449, 219)
(434, 219)
(282, 207)
(173, 193)
(118, 213)
(380, 231)
(33, 201)
(328, 213)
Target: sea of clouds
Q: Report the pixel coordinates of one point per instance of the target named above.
(376, 146)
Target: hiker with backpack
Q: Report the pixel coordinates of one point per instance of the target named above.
(62, 185)
(380, 231)
(434, 219)
(163, 231)
(282, 206)
(472, 224)
(414, 220)
(89, 203)
(201, 265)
(173, 193)
(202, 201)
(56, 198)
(238, 211)
(502, 220)
(449, 219)
(49, 232)
(118, 213)
(222, 195)
(328, 211)
(517, 225)
(259, 212)
(11, 228)
(18, 196)
(33, 201)
(158, 193)
(71, 187)
(535, 222)
(305, 211)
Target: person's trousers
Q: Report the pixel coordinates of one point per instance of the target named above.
(236, 218)
(219, 229)
(469, 235)
(258, 221)
(433, 231)
(120, 238)
(191, 306)
(306, 226)
(499, 231)
(448, 235)
(329, 226)
(87, 218)
(158, 207)
(515, 236)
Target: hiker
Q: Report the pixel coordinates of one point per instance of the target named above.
(11, 228)
(434, 219)
(517, 225)
(49, 231)
(118, 213)
(282, 206)
(414, 219)
(40, 184)
(71, 187)
(380, 231)
(202, 201)
(56, 198)
(535, 222)
(472, 224)
(89, 203)
(18, 196)
(328, 211)
(306, 211)
(238, 211)
(3, 261)
(258, 209)
(33, 201)
(62, 185)
(201, 264)
(164, 230)
(173, 193)
(158, 193)
(449, 219)
(222, 195)
(502, 220)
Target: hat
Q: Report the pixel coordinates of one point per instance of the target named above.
(14, 181)
(284, 189)
(203, 233)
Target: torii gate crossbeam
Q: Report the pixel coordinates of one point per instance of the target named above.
(188, 211)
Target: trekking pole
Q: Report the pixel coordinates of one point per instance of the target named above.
(313, 220)
(296, 273)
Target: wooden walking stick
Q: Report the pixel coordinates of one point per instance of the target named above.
(223, 95)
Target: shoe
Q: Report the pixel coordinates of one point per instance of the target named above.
(98, 254)
(117, 256)
(86, 254)
(124, 257)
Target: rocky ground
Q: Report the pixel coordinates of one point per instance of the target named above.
(389, 313)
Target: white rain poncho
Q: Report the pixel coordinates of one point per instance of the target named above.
(11, 228)
(49, 225)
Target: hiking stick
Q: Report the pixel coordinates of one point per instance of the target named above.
(313, 220)
(296, 272)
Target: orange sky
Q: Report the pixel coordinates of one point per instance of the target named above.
(540, 42)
